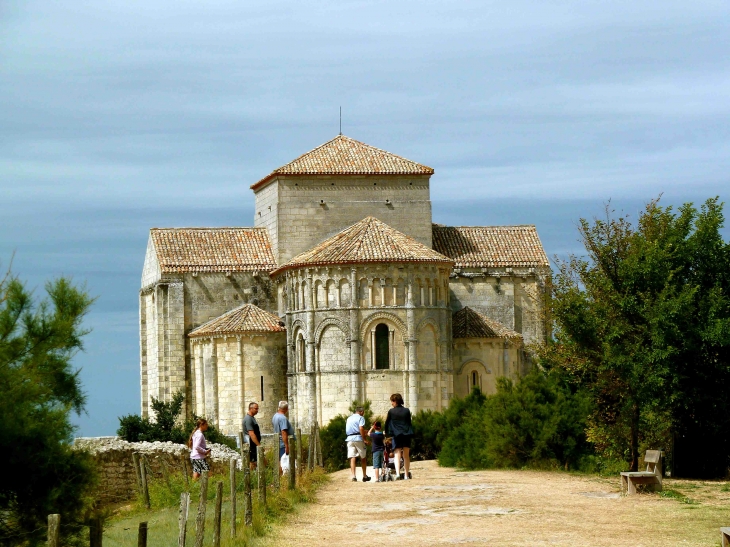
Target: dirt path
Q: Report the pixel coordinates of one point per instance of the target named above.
(442, 506)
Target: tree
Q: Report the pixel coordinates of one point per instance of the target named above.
(643, 323)
(40, 389)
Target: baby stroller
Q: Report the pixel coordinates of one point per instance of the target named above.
(387, 471)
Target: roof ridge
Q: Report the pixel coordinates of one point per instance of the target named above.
(212, 228)
(435, 225)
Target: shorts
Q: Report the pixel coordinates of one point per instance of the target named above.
(356, 449)
(200, 466)
(377, 459)
(402, 441)
(282, 450)
(253, 454)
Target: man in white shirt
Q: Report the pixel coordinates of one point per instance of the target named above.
(356, 440)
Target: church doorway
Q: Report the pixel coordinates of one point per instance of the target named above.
(382, 346)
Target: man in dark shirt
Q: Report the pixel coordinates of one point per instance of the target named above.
(251, 428)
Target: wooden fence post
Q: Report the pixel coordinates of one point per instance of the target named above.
(310, 452)
(186, 474)
(54, 530)
(200, 518)
(182, 519)
(142, 535)
(261, 466)
(318, 445)
(292, 463)
(247, 502)
(241, 443)
(233, 496)
(96, 532)
(300, 459)
(276, 466)
(217, 519)
(135, 459)
(145, 486)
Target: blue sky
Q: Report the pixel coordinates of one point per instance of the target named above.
(119, 116)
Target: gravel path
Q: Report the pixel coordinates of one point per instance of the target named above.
(442, 506)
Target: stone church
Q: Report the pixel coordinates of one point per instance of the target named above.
(343, 290)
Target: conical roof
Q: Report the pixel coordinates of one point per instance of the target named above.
(469, 323)
(246, 318)
(368, 241)
(345, 156)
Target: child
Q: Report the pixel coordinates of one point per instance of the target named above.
(199, 451)
(378, 440)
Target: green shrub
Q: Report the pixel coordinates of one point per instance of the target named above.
(536, 421)
(428, 434)
(166, 427)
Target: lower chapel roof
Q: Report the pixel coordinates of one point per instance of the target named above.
(469, 323)
(246, 318)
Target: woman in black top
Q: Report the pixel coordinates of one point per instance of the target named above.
(398, 424)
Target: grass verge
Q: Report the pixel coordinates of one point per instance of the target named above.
(162, 520)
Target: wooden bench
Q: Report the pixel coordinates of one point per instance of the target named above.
(651, 478)
(725, 537)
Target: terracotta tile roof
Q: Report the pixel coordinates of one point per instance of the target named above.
(490, 246)
(469, 323)
(369, 240)
(345, 156)
(213, 249)
(246, 318)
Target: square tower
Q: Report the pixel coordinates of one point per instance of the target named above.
(336, 185)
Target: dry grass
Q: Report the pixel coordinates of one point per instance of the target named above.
(445, 506)
(121, 530)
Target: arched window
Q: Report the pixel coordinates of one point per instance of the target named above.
(382, 346)
(474, 381)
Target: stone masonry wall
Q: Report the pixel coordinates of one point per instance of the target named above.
(486, 356)
(115, 464)
(515, 301)
(251, 368)
(298, 219)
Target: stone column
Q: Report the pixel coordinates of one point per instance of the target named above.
(370, 293)
(211, 384)
(412, 341)
(242, 408)
(391, 349)
(200, 381)
(372, 349)
(382, 293)
(395, 293)
(505, 359)
(311, 363)
(354, 339)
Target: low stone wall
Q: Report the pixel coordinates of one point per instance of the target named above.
(115, 463)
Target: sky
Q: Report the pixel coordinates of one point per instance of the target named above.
(119, 116)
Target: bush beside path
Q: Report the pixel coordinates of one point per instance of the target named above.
(444, 506)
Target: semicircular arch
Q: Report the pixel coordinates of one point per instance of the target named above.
(378, 316)
(473, 360)
(330, 321)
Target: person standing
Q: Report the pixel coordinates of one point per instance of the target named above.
(356, 439)
(199, 451)
(377, 438)
(398, 424)
(283, 428)
(251, 428)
